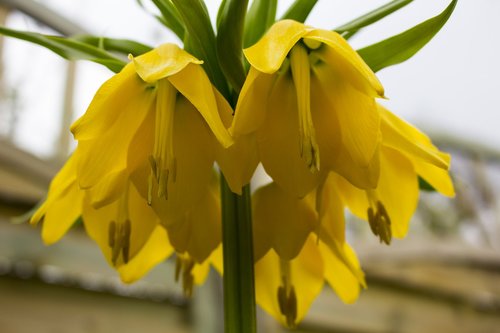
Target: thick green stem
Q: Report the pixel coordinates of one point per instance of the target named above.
(239, 291)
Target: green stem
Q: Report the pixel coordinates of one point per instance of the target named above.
(239, 291)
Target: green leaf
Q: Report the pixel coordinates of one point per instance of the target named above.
(372, 17)
(230, 23)
(170, 17)
(299, 10)
(199, 39)
(120, 46)
(402, 47)
(68, 48)
(260, 17)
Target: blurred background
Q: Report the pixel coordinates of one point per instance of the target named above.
(445, 277)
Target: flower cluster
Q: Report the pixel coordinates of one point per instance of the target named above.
(142, 177)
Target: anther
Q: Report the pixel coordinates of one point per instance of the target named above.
(184, 265)
(380, 222)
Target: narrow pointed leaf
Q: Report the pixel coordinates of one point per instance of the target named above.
(199, 38)
(299, 10)
(402, 47)
(373, 16)
(260, 17)
(230, 41)
(68, 48)
(170, 17)
(120, 46)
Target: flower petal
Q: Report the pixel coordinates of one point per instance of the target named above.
(281, 221)
(306, 272)
(333, 155)
(252, 103)
(402, 136)
(198, 231)
(270, 51)
(278, 142)
(340, 56)
(107, 154)
(155, 250)
(163, 61)
(339, 275)
(123, 96)
(438, 178)
(239, 161)
(141, 216)
(61, 213)
(193, 83)
(357, 114)
(194, 155)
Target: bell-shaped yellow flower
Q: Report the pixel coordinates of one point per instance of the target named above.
(405, 153)
(291, 262)
(161, 111)
(127, 230)
(309, 99)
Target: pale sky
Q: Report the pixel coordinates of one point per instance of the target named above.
(450, 87)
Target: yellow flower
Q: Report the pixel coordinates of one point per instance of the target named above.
(309, 100)
(405, 153)
(162, 111)
(127, 230)
(291, 263)
(161, 123)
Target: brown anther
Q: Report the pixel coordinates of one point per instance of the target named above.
(287, 301)
(380, 223)
(111, 234)
(184, 265)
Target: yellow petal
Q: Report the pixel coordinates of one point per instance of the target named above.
(339, 275)
(357, 114)
(198, 231)
(438, 178)
(62, 182)
(252, 103)
(239, 161)
(123, 96)
(341, 57)
(193, 83)
(61, 213)
(216, 259)
(163, 61)
(107, 154)
(281, 221)
(270, 51)
(306, 272)
(142, 223)
(194, 155)
(397, 190)
(334, 156)
(331, 210)
(279, 143)
(402, 136)
(155, 250)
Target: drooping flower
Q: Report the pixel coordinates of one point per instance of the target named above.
(161, 123)
(298, 244)
(309, 99)
(127, 230)
(162, 111)
(405, 153)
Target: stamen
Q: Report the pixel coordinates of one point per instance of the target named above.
(287, 298)
(163, 162)
(119, 231)
(379, 220)
(184, 265)
(300, 66)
